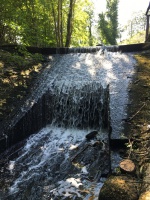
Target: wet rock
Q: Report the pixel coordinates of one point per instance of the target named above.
(91, 135)
(119, 188)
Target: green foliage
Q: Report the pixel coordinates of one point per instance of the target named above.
(108, 23)
(134, 29)
(82, 23)
(23, 51)
(21, 57)
(135, 39)
(41, 23)
(18, 70)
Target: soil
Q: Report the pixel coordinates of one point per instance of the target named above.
(138, 122)
(139, 108)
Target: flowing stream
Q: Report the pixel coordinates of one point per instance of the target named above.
(82, 93)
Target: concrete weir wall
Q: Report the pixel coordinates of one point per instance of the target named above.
(18, 129)
(66, 50)
(43, 111)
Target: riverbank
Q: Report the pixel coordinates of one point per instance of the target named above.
(139, 122)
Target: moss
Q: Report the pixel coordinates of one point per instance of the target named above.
(119, 188)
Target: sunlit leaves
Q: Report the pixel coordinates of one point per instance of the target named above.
(108, 23)
(35, 22)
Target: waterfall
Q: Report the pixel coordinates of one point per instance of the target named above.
(86, 106)
(77, 94)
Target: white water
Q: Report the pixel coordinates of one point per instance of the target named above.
(41, 154)
(76, 70)
(114, 69)
(37, 162)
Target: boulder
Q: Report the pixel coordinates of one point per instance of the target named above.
(119, 188)
(145, 196)
(91, 135)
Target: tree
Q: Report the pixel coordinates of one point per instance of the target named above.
(8, 22)
(108, 23)
(42, 23)
(90, 14)
(134, 30)
(83, 23)
(70, 22)
(136, 24)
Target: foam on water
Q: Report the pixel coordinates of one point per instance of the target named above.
(42, 151)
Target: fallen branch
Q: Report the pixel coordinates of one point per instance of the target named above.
(78, 153)
(145, 131)
(86, 146)
(131, 118)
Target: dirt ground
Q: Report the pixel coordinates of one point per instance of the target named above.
(138, 122)
(18, 70)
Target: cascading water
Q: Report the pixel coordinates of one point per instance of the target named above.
(85, 105)
(61, 161)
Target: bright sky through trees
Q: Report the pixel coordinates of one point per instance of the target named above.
(125, 10)
(54, 23)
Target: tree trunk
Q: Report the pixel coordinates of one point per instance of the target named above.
(147, 27)
(55, 24)
(61, 26)
(90, 33)
(58, 21)
(70, 23)
(127, 166)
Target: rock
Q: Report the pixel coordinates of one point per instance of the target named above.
(119, 188)
(145, 196)
(91, 135)
(145, 187)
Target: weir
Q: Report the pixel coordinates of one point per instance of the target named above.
(66, 50)
(77, 94)
(85, 106)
